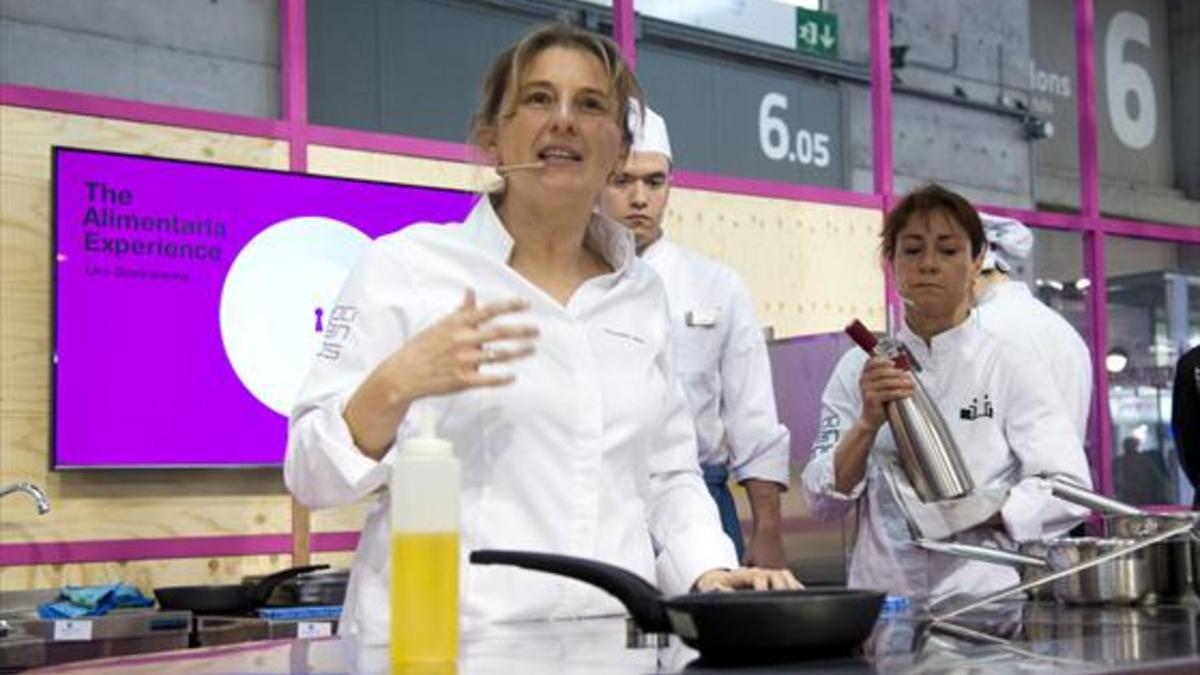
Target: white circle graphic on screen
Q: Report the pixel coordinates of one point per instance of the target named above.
(276, 298)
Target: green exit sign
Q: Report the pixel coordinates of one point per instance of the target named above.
(817, 32)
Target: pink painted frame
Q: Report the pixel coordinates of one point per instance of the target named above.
(120, 550)
(294, 128)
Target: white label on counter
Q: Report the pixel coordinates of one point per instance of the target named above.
(72, 629)
(314, 629)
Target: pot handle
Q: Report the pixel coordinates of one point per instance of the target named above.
(982, 553)
(644, 602)
(1066, 490)
(262, 590)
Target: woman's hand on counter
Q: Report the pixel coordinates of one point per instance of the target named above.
(747, 578)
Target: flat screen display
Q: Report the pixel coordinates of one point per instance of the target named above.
(190, 298)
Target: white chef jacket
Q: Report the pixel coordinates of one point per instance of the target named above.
(1010, 310)
(1009, 426)
(721, 359)
(589, 453)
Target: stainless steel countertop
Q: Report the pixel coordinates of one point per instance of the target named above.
(1044, 638)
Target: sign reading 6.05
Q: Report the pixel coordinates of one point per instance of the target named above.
(777, 140)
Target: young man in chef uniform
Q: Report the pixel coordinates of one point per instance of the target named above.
(1008, 308)
(720, 351)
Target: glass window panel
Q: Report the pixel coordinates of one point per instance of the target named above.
(1153, 317)
(1055, 273)
(148, 51)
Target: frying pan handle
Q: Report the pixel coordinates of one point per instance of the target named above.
(982, 553)
(1068, 491)
(262, 590)
(643, 600)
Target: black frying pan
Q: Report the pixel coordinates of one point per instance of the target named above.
(227, 598)
(739, 627)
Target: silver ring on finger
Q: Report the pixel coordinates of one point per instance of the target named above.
(490, 355)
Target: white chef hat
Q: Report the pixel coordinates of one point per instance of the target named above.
(649, 135)
(1008, 241)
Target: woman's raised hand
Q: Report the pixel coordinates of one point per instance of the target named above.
(444, 358)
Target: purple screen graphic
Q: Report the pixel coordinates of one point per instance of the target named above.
(186, 293)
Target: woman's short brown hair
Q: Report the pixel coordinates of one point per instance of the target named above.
(926, 200)
(498, 99)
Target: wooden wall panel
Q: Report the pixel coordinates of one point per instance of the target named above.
(396, 169)
(810, 267)
(116, 504)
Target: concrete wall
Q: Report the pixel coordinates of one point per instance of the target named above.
(979, 48)
(213, 54)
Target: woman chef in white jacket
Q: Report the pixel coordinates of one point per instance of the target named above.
(583, 447)
(997, 401)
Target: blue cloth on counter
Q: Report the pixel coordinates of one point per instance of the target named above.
(76, 601)
(302, 612)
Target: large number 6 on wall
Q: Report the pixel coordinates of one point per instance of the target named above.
(1125, 78)
(772, 131)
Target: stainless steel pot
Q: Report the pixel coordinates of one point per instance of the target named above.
(1171, 561)
(1125, 580)
(1173, 569)
(1030, 573)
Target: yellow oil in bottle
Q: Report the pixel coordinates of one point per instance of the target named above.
(424, 598)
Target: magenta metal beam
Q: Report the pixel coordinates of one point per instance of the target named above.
(1085, 76)
(293, 78)
(624, 30)
(1094, 253)
(1137, 229)
(165, 548)
(881, 97)
(93, 105)
(881, 133)
(1100, 427)
(697, 180)
(373, 141)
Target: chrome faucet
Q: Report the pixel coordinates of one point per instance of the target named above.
(39, 497)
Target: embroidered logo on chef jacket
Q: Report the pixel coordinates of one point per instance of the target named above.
(337, 331)
(702, 317)
(828, 433)
(975, 411)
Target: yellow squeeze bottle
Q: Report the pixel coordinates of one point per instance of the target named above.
(425, 485)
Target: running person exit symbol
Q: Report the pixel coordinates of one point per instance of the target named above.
(817, 32)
